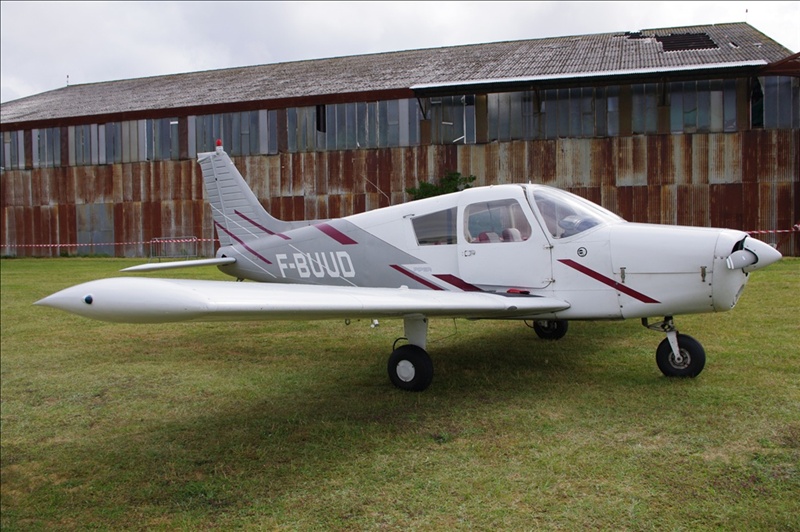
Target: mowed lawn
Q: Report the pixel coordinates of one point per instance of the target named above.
(295, 426)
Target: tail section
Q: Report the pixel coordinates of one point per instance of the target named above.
(238, 215)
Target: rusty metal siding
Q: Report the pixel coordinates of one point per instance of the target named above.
(747, 180)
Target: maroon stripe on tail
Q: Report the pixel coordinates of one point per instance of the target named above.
(336, 234)
(237, 213)
(240, 241)
(608, 281)
(416, 277)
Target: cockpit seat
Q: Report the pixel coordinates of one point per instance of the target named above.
(487, 236)
(512, 234)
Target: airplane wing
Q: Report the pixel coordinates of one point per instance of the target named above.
(142, 300)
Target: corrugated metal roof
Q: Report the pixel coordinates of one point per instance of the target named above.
(551, 58)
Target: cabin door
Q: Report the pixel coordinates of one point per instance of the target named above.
(501, 245)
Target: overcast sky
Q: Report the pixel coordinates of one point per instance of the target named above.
(45, 43)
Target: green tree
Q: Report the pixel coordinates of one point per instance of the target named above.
(452, 182)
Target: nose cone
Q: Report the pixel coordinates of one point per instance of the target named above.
(765, 254)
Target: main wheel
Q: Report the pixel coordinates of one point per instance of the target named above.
(689, 363)
(550, 329)
(410, 368)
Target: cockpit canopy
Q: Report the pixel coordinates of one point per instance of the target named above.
(505, 216)
(565, 214)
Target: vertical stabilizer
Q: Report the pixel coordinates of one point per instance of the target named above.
(238, 215)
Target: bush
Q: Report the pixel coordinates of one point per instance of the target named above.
(452, 182)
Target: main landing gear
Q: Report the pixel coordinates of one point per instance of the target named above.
(550, 329)
(410, 367)
(678, 355)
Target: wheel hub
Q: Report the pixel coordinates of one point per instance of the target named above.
(680, 360)
(546, 325)
(406, 371)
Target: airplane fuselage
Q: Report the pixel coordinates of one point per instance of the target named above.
(522, 238)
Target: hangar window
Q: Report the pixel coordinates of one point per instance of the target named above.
(354, 125)
(578, 112)
(437, 228)
(644, 108)
(47, 147)
(496, 221)
(452, 119)
(13, 153)
(244, 133)
(781, 102)
(83, 145)
(702, 106)
(113, 142)
(162, 139)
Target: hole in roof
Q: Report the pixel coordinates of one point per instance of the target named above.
(686, 41)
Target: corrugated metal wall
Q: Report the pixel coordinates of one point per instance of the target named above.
(747, 180)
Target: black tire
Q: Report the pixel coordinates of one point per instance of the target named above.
(410, 368)
(692, 362)
(550, 329)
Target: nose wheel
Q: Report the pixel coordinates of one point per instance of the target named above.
(678, 355)
(687, 362)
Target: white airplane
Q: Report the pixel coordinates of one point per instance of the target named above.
(521, 251)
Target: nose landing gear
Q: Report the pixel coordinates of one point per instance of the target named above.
(678, 355)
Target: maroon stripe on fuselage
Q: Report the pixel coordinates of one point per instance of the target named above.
(416, 277)
(458, 283)
(608, 281)
(336, 234)
(237, 213)
(239, 240)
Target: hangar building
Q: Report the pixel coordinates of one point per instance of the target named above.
(693, 126)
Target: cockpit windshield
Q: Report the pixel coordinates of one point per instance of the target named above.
(566, 214)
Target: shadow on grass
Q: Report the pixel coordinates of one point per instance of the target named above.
(274, 446)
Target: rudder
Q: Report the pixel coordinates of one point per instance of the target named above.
(238, 215)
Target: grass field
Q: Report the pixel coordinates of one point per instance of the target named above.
(294, 425)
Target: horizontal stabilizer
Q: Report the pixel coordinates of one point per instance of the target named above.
(152, 267)
(143, 300)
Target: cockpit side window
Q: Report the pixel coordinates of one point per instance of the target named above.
(496, 221)
(436, 228)
(566, 215)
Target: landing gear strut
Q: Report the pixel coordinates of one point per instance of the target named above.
(678, 355)
(410, 367)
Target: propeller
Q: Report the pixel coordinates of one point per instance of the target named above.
(741, 259)
(753, 255)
